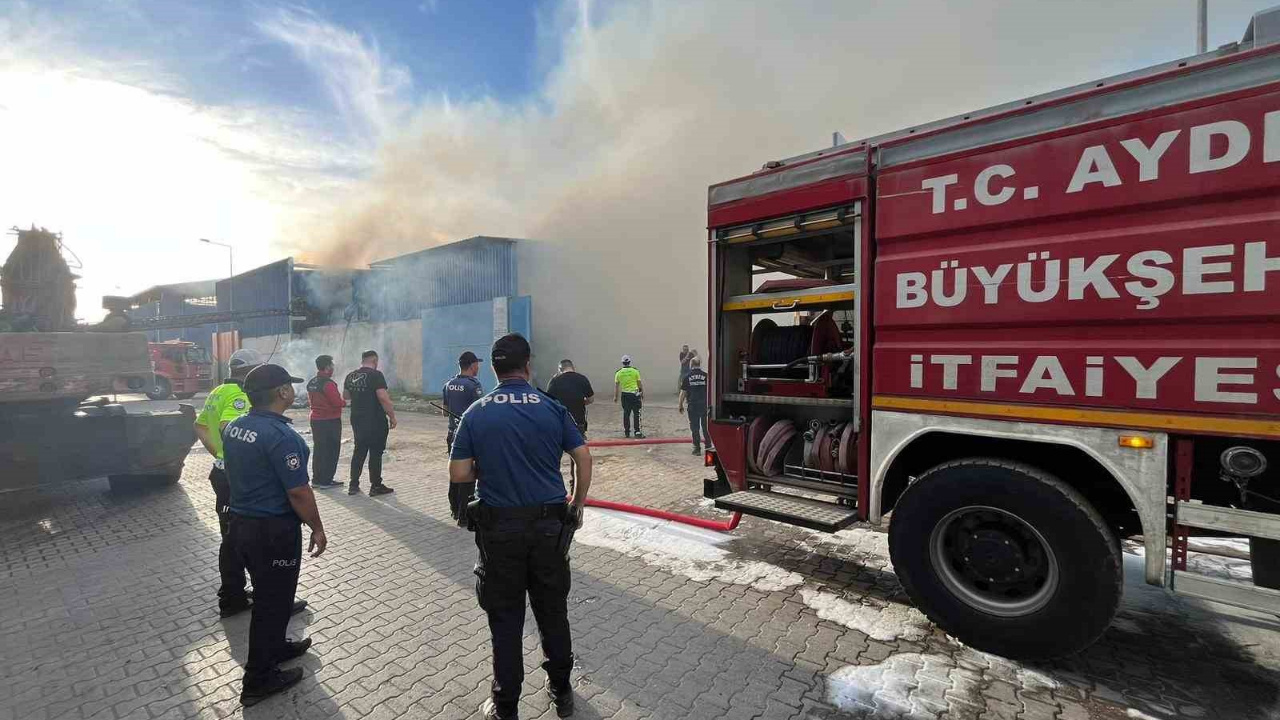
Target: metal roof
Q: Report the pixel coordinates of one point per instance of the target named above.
(468, 243)
(194, 289)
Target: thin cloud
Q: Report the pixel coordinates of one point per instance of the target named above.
(365, 88)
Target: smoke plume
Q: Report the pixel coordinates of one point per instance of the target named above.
(648, 102)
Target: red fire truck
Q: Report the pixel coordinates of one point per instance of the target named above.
(1018, 336)
(181, 368)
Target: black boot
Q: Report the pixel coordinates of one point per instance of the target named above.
(490, 710)
(294, 649)
(563, 701)
(278, 681)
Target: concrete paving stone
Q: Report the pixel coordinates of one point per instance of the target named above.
(1072, 711)
(998, 710)
(1035, 710)
(399, 634)
(1002, 691)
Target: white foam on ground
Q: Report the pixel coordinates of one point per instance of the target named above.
(918, 686)
(682, 549)
(891, 687)
(877, 620)
(857, 539)
(697, 554)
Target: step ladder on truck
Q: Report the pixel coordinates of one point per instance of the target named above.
(1019, 336)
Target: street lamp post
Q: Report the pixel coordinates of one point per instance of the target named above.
(1202, 26)
(231, 277)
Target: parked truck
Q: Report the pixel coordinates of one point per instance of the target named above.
(50, 365)
(181, 370)
(1018, 336)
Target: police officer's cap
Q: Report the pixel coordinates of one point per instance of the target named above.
(510, 352)
(467, 359)
(266, 377)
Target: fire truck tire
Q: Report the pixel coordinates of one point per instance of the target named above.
(1264, 557)
(162, 389)
(184, 396)
(1006, 558)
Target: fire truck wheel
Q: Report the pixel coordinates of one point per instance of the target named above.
(162, 389)
(1006, 558)
(184, 396)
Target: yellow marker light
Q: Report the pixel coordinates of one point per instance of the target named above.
(709, 459)
(1137, 442)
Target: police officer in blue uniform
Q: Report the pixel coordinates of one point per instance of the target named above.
(512, 442)
(459, 393)
(271, 497)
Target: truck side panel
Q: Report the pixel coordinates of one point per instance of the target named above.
(1134, 266)
(71, 366)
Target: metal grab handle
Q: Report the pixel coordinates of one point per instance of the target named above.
(779, 306)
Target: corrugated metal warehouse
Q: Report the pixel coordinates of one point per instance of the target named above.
(422, 309)
(477, 269)
(190, 298)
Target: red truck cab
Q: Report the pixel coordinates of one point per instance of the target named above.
(1018, 336)
(181, 370)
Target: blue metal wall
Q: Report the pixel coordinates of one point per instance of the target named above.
(520, 316)
(449, 331)
(468, 271)
(264, 288)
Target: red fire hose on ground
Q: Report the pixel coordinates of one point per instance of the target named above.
(640, 441)
(723, 526)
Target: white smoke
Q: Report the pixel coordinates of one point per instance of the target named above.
(653, 100)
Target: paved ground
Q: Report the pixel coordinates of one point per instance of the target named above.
(106, 611)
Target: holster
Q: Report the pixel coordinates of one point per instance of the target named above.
(475, 514)
(569, 525)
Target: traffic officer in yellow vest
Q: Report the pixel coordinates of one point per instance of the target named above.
(516, 436)
(225, 403)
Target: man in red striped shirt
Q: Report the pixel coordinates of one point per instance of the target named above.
(326, 423)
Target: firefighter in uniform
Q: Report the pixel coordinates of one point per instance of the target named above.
(515, 437)
(459, 393)
(693, 390)
(266, 461)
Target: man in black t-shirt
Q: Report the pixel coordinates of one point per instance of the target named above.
(693, 390)
(572, 390)
(372, 418)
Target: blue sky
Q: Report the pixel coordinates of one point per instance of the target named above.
(343, 130)
(226, 52)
